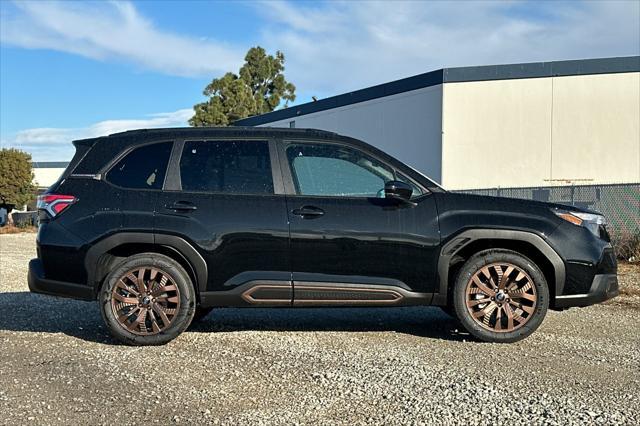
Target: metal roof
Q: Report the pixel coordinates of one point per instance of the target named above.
(454, 75)
(49, 164)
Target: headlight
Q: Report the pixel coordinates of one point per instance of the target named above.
(589, 220)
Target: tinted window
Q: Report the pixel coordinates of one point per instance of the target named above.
(144, 167)
(226, 166)
(333, 170)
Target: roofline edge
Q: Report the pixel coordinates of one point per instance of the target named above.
(565, 68)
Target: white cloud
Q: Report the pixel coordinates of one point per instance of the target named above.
(53, 144)
(168, 119)
(114, 31)
(330, 47)
(306, 19)
(342, 46)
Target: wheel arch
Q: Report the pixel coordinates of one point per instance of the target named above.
(103, 256)
(529, 244)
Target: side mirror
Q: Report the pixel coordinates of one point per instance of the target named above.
(398, 190)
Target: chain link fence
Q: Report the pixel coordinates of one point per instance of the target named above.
(620, 203)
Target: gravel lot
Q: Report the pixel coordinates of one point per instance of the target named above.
(59, 365)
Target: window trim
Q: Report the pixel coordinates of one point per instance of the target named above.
(175, 184)
(289, 182)
(112, 163)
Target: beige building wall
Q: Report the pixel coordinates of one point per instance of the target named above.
(596, 128)
(532, 132)
(44, 177)
(496, 133)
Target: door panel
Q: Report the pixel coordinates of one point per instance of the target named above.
(343, 232)
(367, 241)
(241, 238)
(226, 208)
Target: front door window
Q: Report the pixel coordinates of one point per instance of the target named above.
(333, 170)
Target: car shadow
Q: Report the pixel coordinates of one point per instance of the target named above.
(428, 322)
(24, 311)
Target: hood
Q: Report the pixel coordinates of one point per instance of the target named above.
(486, 202)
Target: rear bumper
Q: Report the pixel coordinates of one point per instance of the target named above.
(603, 287)
(41, 285)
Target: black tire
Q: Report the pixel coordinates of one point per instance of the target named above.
(183, 300)
(201, 313)
(488, 329)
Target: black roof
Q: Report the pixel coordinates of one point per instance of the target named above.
(99, 151)
(454, 75)
(223, 131)
(207, 132)
(104, 148)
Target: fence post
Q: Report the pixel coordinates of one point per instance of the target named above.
(573, 193)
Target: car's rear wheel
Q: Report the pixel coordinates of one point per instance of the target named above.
(147, 300)
(500, 296)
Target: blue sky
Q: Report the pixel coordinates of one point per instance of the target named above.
(80, 69)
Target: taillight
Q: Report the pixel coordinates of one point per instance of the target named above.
(54, 204)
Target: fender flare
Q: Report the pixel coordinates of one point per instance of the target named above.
(457, 243)
(176, 244)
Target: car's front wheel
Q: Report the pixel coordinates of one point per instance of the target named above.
(147, 300)
(500, 296)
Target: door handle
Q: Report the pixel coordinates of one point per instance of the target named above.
(308, 212)
(182, 206)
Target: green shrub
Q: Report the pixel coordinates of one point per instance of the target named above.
(16, 177)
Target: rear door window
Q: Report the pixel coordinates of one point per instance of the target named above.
(241, 167)
(143, 168)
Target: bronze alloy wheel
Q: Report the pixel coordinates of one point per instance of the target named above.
(145, 300)
(501, 297)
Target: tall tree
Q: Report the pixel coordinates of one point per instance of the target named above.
(16, 177)
(259, 87)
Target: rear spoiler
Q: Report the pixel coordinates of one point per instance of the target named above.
(82, 147)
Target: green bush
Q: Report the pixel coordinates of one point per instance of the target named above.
(16, 177)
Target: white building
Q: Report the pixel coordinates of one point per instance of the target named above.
(534, 124)
(45, 173)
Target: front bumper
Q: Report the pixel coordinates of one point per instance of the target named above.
(39, 284)
(603, 287)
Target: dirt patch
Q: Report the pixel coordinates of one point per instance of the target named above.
(629, 281)
(10, 229)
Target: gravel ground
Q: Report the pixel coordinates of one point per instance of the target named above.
(59, 365)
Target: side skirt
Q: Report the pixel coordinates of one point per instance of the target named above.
(345, 294)
(259, 293)
(273, 293)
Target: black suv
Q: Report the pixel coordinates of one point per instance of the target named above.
(160, 226)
